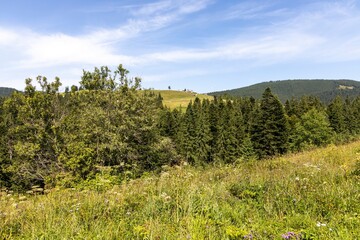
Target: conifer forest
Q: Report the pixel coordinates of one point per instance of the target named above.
(107, 124)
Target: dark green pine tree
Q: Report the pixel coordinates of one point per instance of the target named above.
(355, 106)
(213, 119)
(290, 107)
(244, 148)
(168, 122)
(246, 106)
(185, 136)
(202, 135)
(350, 117)
(269, 131)
(193, 137)
(232, 141)
(217, 129)
(335, 112)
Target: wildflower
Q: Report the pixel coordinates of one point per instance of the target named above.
(319, 224)
(248, 236)
(166, 197)
(297, 179)
(290, 235)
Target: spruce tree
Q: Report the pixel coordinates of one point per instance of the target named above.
(269, 132)
(355, 105)
(335, 112)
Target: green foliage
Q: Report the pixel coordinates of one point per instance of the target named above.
(313, 129)
(234, 232)
(51, 136)
(246, 191)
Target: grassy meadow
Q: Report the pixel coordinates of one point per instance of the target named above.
(179, 99)
(311, 195)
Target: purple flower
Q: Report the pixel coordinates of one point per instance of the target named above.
(249, 236)
(289, 235)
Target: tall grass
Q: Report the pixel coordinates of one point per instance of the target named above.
(311, 195)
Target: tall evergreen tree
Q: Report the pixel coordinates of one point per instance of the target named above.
(269, 132)
(335, 112)
(355, 106)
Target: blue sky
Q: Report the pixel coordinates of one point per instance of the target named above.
(203, 45)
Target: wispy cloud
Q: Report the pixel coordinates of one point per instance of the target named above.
(98, 47)
(319, 32)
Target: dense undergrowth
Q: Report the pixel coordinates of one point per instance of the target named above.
(311, 195)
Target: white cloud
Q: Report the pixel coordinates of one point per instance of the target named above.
(7, 37)
(58, 49)
(321, 32)
(98, 47)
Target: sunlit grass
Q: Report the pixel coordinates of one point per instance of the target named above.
(312, 194)
(179, 99)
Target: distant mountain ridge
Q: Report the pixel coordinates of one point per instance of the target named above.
(5, 91)
(326, 90)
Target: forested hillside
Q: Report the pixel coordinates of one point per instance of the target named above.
(107, 127)
(6, 91)
(325, 90)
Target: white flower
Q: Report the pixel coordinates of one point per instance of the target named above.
(319, 224)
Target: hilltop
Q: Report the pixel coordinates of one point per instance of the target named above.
(178, 99)
(326, 90)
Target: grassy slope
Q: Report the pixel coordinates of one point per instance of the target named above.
(179, 99)
(313, 193)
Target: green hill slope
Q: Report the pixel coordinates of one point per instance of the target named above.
(324, 89)
(4, 91)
